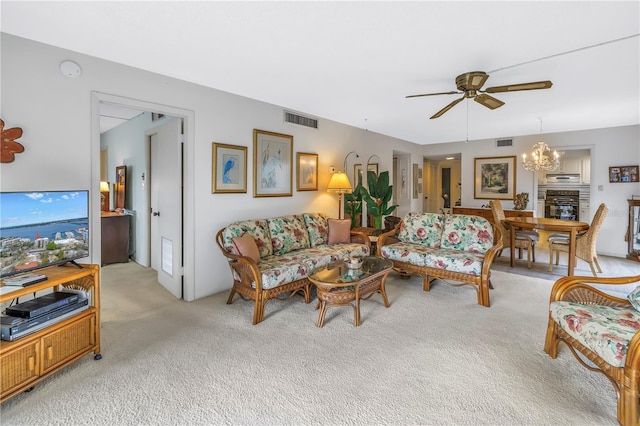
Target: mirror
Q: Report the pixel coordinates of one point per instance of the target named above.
(120, 188)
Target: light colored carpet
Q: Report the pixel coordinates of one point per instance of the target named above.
(433, 358)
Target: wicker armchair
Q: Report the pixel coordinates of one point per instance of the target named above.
(526, 240)
(589, 305)
(585, 243)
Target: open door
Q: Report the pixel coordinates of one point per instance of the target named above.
(166, 205)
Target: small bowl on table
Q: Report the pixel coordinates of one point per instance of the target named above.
(353, 262)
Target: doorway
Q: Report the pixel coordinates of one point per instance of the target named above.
(442, 183)
(140, 185)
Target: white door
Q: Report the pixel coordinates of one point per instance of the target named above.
(166, 205)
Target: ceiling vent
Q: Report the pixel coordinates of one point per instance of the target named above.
(501, 143)
(301, 120)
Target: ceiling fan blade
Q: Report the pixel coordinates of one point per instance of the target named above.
(433, 94)
(523, 86)
(488, 101)
(445, 109)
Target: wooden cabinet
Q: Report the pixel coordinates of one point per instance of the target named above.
(115, 238)
(487, 214)
(26, 361)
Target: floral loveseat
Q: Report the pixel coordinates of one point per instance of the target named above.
(272, 258)
(603, 328)
(455, 247)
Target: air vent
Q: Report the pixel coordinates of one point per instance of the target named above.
(301, 120)
(504, 142)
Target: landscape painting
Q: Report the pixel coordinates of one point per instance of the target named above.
(495, 178)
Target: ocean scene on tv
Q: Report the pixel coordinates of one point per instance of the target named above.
(38, 229)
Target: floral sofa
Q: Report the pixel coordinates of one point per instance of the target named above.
(596, 325)
(451, 247)
(287, 249)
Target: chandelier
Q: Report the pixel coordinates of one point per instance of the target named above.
(539, 159)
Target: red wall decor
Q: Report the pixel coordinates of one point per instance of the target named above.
(9, 146)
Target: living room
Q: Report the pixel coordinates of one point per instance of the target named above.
(59, 117)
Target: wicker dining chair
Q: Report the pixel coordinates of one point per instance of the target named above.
(525, 240)
(585, 243)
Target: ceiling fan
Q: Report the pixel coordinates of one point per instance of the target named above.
(469, 85)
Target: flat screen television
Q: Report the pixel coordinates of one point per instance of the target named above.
(42, 228)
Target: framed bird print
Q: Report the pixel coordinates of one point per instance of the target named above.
(272, 164)
(229, 171)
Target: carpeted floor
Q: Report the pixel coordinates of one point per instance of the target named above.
(431, 358)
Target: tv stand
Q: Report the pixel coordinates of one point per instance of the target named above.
(73, 262)
(28, 360)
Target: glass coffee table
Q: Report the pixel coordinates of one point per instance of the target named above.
(338, 285)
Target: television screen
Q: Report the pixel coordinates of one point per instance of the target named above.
(39, 229)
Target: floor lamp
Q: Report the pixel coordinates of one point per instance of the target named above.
(339, 183)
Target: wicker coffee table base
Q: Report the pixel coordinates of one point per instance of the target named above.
(349, 295)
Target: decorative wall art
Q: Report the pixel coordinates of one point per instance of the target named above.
(307, 172)
(272, 164)
(495, 178)
(415, 180)
(120, 189)
(622, 174)
(9, 146)
(229, 171)
(358, 173)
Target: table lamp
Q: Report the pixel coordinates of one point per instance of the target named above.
(339, 183)
(104, 196)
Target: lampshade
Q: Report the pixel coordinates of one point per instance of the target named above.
(339, 183)
(104, 186)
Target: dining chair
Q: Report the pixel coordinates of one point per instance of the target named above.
(526, 240)
(585, 242)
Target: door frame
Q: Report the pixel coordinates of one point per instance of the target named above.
(188, 164)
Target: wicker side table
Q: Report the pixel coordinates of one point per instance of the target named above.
(338, 285)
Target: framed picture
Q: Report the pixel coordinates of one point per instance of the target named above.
(229, 169)
(120, 188)
(621, 174)
(358, 173)
(272, 164)
(415, 180)
(495, 178)
(307, 172)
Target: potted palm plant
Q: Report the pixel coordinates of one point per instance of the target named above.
(353, 205)
(378, 196)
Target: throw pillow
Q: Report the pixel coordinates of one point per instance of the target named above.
(339, 231)
(247, 246)
(634, 298)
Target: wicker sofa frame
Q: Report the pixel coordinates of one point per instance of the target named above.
(481, 283)
(626, 379)
(247, 272)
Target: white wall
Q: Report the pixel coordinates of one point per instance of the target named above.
(56, 115)
(618, 146)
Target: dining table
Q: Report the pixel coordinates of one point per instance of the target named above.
(571, 227)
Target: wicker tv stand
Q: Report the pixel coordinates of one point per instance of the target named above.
(28, 360)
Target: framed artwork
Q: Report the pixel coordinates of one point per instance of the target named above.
(229, 169)
(272, 164)
(307, 172)
(495, 178)
(415, 180)
(120, 188)
(622, 174)
(358, 173)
